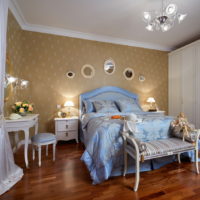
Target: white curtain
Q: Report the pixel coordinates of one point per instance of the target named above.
(9, 172)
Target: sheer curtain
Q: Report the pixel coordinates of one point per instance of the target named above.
(9, 172)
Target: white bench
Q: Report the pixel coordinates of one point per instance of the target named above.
(155, 149)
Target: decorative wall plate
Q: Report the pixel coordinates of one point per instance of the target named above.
(129, 74)
(88, 71)
(70, 74)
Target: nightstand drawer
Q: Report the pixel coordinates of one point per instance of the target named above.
(68, 135)
(67, 125)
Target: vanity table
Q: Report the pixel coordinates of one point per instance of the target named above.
(23, 124)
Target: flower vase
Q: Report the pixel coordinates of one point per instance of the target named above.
(23, 114)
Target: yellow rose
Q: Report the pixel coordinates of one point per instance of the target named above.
(19, 103)
(21, 110)
(30, 108)
(25, 105)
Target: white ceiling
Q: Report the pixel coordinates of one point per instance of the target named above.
(115, 21)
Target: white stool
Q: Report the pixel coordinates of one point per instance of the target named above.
(43, 139)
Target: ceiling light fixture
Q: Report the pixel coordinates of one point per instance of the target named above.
(163, 20)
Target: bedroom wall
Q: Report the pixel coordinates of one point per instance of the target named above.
(14, 62)
(47, 58)
(13, 58)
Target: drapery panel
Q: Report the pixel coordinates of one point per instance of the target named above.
(10, 173)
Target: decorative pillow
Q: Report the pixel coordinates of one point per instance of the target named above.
(126, 105)
(105, 106)
(88, 106)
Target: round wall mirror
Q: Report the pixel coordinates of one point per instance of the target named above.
(129, 73)
(87, 71)
(109, 66)
(70, 74)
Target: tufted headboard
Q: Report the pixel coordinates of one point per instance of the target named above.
(105, 93)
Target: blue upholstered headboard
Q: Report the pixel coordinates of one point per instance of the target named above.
(106, 93)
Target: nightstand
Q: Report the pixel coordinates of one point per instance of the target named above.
(159, 113)
(66, 128)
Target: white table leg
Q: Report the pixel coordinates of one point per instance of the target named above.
(26, 133)
(16, 139)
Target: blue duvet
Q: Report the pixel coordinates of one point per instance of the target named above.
(103, 155)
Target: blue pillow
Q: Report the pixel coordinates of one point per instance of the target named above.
(104, 106)
(88, 106)
(127, 105)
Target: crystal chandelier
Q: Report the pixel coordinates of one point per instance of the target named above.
(163, 20)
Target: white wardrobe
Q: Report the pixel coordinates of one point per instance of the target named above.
(184, 82)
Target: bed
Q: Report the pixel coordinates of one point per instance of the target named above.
(101, 135)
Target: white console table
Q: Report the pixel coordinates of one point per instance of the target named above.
(23, 124)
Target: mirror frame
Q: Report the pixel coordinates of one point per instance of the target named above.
(133, 74)
(92, 71)
(106, 61)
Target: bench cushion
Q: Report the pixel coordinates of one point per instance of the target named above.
(156, 148)
(43, 138)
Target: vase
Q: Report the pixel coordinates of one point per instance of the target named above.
(23, 114)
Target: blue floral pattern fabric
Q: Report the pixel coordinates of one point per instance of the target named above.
(88, 105)
(126, 105)
(105, 106)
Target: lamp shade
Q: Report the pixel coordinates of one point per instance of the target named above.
(151, 100)
(69, 104)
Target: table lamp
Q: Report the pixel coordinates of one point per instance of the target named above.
(152, 102)
(69, 104)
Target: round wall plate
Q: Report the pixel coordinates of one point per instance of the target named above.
(129, 74)
(88, 71)
(70, 74)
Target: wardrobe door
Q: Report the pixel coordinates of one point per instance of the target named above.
(174, 83)
(189, 83)
(198, 85)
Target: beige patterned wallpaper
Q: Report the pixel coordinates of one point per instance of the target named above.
(46, 59)
(14, 61)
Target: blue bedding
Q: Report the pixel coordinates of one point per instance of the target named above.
(103, 155)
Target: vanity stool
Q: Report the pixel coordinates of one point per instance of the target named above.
(43, 139)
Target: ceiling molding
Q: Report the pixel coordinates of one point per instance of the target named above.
(75, 34)
(16, 11)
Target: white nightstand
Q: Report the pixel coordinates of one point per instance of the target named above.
(159, 113)
(66, 128)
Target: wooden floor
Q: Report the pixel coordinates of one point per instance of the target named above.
(69, 179)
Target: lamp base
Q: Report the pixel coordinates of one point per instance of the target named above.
(152, 110)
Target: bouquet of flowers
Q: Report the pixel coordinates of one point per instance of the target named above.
(22, 107)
